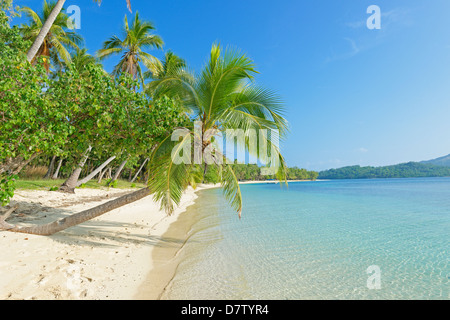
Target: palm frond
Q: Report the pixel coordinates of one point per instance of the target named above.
(31, 14)
(231, 188)
(168, 180)
(136, 38)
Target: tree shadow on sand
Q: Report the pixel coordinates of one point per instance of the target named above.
(94, 233)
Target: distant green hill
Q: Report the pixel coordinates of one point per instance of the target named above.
(442, 161)
(403, 170)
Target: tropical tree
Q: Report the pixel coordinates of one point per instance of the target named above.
(135, 40)
(171, 64)
(31, 123)
(220, 98)
(48, 24)
(58, 41)
(79, 60)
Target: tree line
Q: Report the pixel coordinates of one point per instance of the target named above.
(252, 172)
(404, 170)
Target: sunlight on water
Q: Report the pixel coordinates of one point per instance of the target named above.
(316, 240)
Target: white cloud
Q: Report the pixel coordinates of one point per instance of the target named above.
(354, 50)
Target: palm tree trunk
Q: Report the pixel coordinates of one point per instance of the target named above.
(70, 184)
(118, 171)
(137, 173)
(55, 175)
(44, 30)
(108, 173)
(50, 168)
(94, 173)
(75, 219)
(204, 172)
(100, 176)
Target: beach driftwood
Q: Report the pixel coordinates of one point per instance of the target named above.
(75, 219)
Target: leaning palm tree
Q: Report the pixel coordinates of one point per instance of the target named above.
(222, 97)
(47, 26)
(58, 41)
(136, 38)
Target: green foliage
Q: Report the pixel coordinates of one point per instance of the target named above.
(82, 107)
(113, 184)
(58, 41)
(221, 97)
(137, 38)
(7, 187)
(252, 172)
(404, 170)
(212, 175)
(106, 114)
(44, 184)
(30, 121)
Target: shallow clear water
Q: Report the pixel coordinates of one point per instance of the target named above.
(316, 240)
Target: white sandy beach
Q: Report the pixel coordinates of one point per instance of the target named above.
(106, 258)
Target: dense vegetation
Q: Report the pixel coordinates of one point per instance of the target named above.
(80, 113)
(59, 109)
(253, 172)
(403, 170)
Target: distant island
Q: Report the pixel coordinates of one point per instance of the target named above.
(442, 161)
(439, 167)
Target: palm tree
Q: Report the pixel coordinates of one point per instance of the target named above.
(79, 60)
(58, 40)
(48, 24)
(135, 40)
(221, 97)
(171, 64)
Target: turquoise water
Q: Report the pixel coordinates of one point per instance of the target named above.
(316, 240)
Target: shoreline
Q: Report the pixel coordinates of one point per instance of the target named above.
(128, 253)
(166, 257)
(106, 258)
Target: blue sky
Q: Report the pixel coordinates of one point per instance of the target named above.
(353, 95)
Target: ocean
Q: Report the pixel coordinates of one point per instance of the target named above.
(340, 239)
